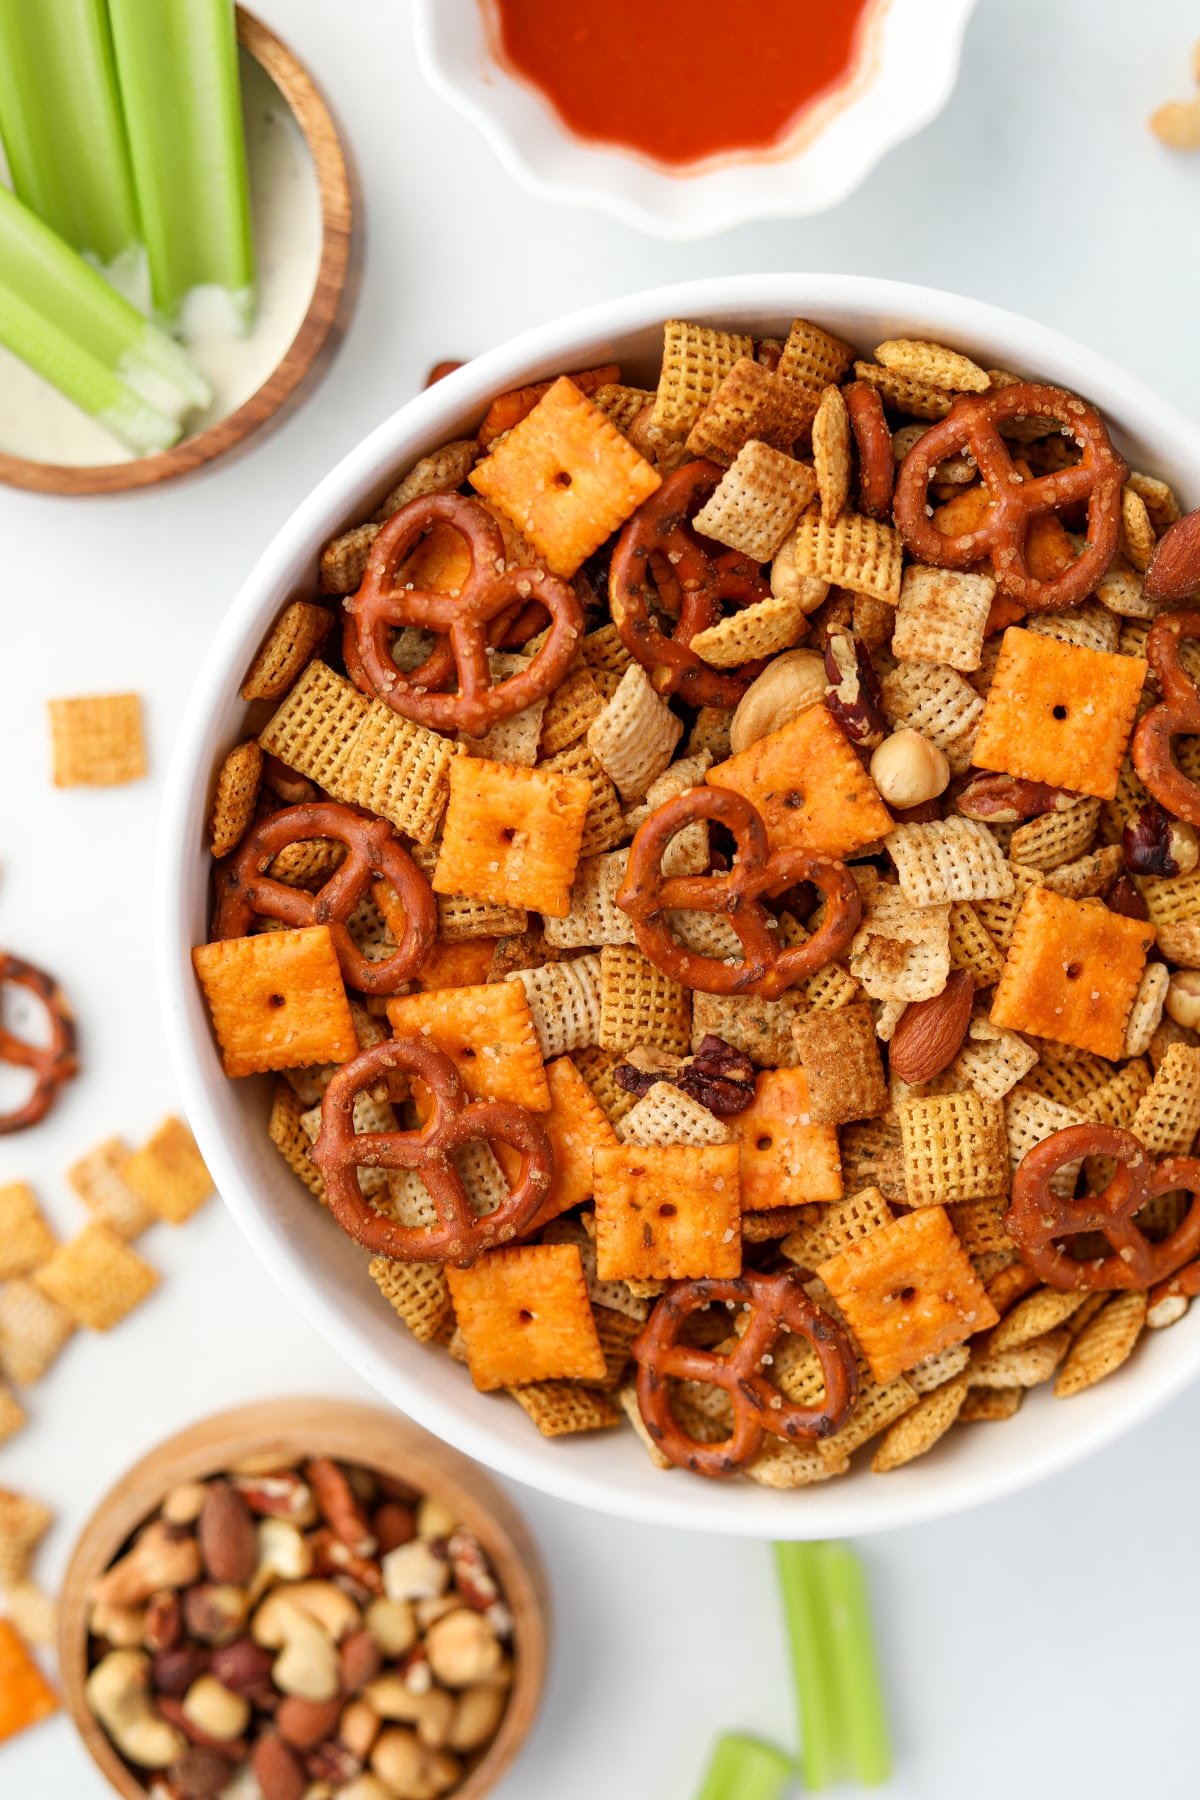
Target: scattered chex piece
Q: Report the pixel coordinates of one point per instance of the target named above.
(25, 1238)
(97, 740)
(96, 1278)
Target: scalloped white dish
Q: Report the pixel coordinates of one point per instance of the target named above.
(324, 1273)
(905, 73)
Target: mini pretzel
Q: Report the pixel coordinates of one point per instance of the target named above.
(51, 1063)
(767, 969)
(460, 1234)
(659, 565)
(373, 852)
(775, 1304)
(491, 592)
(1039, 1218)
(972, 424)
(1177, 711)
(873, 441)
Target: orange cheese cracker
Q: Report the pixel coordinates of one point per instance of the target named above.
(1072, 972)
(457, 964)
(525, 1316)
(512, 835)
(809, 786)
(277, 1000)
(26, 1697)
(1060, 713)
(487, 1032)
(577, 1126)
(667, 1212)
(566, 477)
(907, 1291)
(785, 1160)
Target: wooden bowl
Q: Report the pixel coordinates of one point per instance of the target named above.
(320, 330)
(328, 1427)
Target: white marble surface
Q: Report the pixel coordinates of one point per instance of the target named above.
(1042, 1644)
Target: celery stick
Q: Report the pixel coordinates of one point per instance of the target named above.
(812, 1668)
(69, 294)
(81, 377)
(60, 122)
(857, 1671)
(177, 69)
(744, 1768)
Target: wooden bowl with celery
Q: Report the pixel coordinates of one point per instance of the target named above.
(181, 149)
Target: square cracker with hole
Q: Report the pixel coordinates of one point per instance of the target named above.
(1059, 713)
(809, 786)
(908, 1291)
(1072, 972)
(525, 1316)
(488, 1034)
(97, 740)
(512, 835)
(566, 477)
(277, 1000)
(785, 1159)
(667, 1212)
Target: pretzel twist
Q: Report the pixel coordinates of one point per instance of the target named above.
(647, 896)
(489, 601)
(972, 424)
(660, 566)
(873, 441)
(460, 1234)
(373, 851)
(1039, 1218)
(1178, 711)
(52, 1063)
(776, 1304)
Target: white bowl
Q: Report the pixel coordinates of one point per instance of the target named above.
(906, 73)
(301, 1246)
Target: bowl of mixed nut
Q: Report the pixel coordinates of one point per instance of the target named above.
(678, 921)
(303, 1598)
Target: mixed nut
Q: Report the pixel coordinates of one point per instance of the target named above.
(308, 1632)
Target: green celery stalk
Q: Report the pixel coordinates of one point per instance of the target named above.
(82, 377)
(177, 69)
(802, 1589)
(69, 295)
(851, 1643)
(744, 1768)
(60, 123)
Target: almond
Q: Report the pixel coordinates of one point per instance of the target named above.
(930, 1032)
(228, 1540)
(1174, 572)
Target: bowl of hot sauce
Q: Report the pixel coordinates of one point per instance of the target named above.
(685, 117)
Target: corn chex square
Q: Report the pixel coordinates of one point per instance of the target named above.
(525, 1316)
(594, 917)
(277, 1000)
(695, 360)
(511, 835)
(1072, 971)
(941, 616)
(668, 1212)
(908, 1291)
(97, 740)
(948, 859)
(96, 1278)
(955, 1148)
(33, 1329)
(839, 1053)
(96, 1179)
(939, 703)
(313, 729)
(639, 1004)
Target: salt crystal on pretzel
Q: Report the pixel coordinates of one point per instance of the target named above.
(635, 736)
(939, 703)
(942, 615)
(33, 1329)
(565, 1001)
(948, 859)
(96, 1178)
(695, 360)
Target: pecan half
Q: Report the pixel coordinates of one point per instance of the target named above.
(718, 1076)
(853, 693)
(929, 1034)
(1005, 799)
(1124, 898)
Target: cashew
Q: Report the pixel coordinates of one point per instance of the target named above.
(358, 1727)
(788, 584)
(121, 1626)
(392, 1625)
(480, 1710)
(462, 1649)
(434, 1518)
(308, 1661)
(160, 1558)
(431, 1712)
(216, 1710)
(788, 686)
(284, 1554)
(367, 1787)
(118, 1693)
(329, 1606)
(409, 1770)
(413, 1572)
(184, 1503)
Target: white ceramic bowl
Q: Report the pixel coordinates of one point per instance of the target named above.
(906, 73)
(301, 1246)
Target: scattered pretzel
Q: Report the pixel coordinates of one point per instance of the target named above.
(659, 565)
(873, 441)
(972, 424)
(647, 895)
(1038, 1217)
(492, 592)
(461, 1234)
(1178, 711)
(373, 851)
(51, 1063)
(775, 1304)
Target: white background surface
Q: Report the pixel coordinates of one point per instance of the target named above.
(1042, 1644)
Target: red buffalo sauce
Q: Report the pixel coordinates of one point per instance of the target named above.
(682, 80)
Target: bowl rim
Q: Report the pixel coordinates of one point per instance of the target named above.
(354, 1431)
(839, 1508)
(318, 334)
(548, 159)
